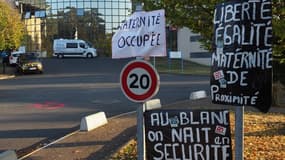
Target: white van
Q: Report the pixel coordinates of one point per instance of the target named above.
(73, 48)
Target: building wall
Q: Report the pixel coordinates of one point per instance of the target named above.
(35, 30)
(190, 47)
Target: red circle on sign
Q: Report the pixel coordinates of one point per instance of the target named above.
(150, 92)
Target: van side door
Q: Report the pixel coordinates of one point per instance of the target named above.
(72, 49)
(82, 47)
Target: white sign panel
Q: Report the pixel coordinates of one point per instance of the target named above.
(141, 35)
(175, 55)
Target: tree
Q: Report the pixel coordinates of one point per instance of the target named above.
(11, 27)
(279, 25)
(198, 16)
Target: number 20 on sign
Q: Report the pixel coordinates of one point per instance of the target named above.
(139, 81)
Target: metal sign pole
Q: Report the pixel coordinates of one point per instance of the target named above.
(148, 105)
(182, 65)
(140, 133)
(154, 65)
(140, 111)
(239, 113)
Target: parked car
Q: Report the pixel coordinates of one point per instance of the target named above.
(73, 48)
(14, 57)
(29, 63)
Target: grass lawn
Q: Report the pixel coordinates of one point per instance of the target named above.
(165, 65)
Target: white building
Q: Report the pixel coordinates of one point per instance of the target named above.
(190, 47)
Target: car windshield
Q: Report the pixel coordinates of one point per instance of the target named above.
(89, 44)
(29, 57)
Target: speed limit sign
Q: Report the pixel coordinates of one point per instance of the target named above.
(139, 81)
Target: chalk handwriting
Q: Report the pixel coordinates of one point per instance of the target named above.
(186, 118)
(197, 135)
(242, 55)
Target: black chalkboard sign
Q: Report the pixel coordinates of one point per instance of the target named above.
(187, 134)
(241, 72)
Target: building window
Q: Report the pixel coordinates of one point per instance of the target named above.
(200, 55)
(195, 38)
(40, 14)
(80, 11)
(27, 15)
(91, 20)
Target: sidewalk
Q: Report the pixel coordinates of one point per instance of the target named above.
(98, 144)
(104, 141)
(8, 72)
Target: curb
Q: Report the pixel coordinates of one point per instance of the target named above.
(87, 124)
(7, 77)
(93, 121)
(8, 155)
